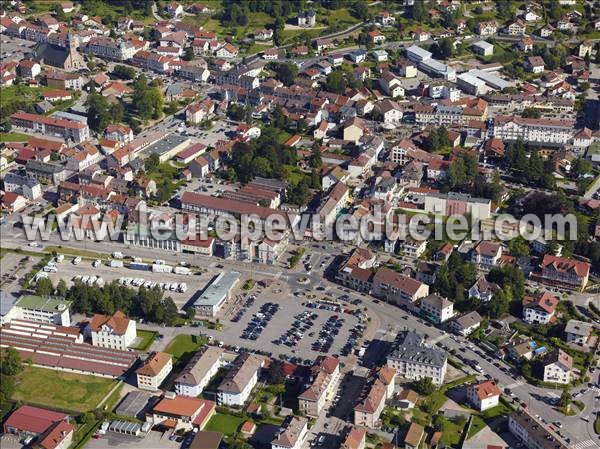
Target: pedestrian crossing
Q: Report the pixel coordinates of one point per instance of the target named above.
(438, 339)
(515, 384)
(585, 444)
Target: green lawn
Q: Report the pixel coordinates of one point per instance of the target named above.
(56, 389)
(182, 347)
(13, 137)
(597, 425)
(227, 424)
(451, 433)
(146, 339)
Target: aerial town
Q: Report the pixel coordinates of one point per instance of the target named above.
(293, 224)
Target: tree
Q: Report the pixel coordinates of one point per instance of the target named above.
(10, 362)
(190, 313)
(124, 72)
(565, 398)
(98, 112)
(531, 113)
(419, 12)
(315, 161)
(425, 386)
(518, 247)
(44, 287)
(361, 10)
(443, 49)
(188, 54)
(275, 374)
(336, 82)
(61, 288)
(286, 73)
(152, 163)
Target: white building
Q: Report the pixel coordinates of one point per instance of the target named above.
(292, 434)
(112, 331)
(413, 359)
(539, 131)
(484, 395)
(198, 372)
(466, 324)
(105, 47)
(531, 432)
(539, 309)
(154, 371)
(437, 308)
(483, 48)
(557, 367)
(45, 310)
(216, 293)
(325, 375)
(237, 385)
(578, 332)
(30, 188)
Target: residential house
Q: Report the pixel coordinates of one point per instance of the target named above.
(173, 413)
(114, 331)
(539, 309)
(466, 324)
(198, 372)
(557, 367)
(578, 332)
(483, 395)
(154, 371)
(239, 381)
(413, 359)
(564, 272)
(437, 308)
(292, 434)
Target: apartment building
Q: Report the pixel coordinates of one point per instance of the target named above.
(466, 324)
(325, 375)
(539, 309)
(108, 48)
(537, 131)
(23, 185)
(154, 371)
(397, 288)
(292, 434)
(114, 331)
(355, 438)
(369, 408)
(564, 272)
(533, 433)
(67, 129)
(198, 372)
(413, 359)
(483, 395)
(237, 385)
(557, 367)
(437, 308)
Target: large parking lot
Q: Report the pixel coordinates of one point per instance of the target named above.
(292, 328)
(194, 282)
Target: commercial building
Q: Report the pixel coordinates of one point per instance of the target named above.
(112, 331)
(427, 64)
(471, 84)
(181, 412)
(237, 385)
(325, 375)
(62, 348)
(167, 147)
(533, 433)
(216, 293)
(483, 395)
(154, 371)
(198, 372)
(413, 359)
(44, 310)
(292, 434)
(537, 131)
(483, 48)
(451, 203)
(67, 129)
(49, 429)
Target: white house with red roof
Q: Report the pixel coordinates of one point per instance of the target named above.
(483, 395)
(539, 309)
(119, 132)
(557, 367)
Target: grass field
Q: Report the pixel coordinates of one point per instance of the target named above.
(76, 252)
(64, 391)
(13, 137)
(227, 424)
(182, 347)
(146, 339)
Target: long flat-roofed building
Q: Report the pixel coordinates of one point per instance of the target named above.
(67, 129)
(216, 293)
(62, 348)
(45, 310)
(541, 131)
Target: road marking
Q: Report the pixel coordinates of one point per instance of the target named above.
(584, 444)
(515, 384)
